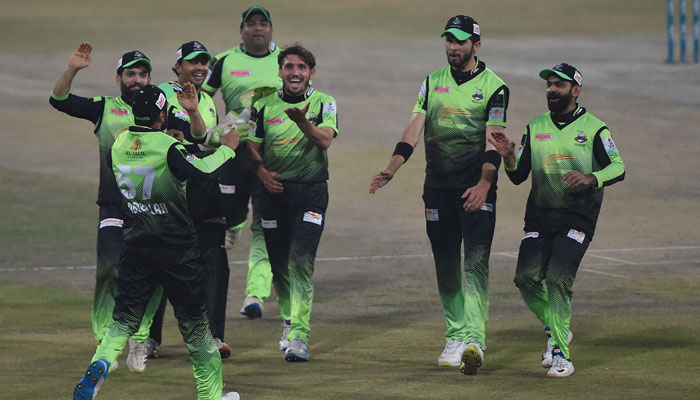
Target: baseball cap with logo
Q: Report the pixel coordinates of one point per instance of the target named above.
(191, 50)
(463, 27)
(564, 71)
(148, 103)
(255, 10)
(132, 57)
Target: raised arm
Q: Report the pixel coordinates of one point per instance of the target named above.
(80, 59)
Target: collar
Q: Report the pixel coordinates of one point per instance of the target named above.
(563, 120)
(270, 49)
(295, 99)
(462, 77)
(142, 129)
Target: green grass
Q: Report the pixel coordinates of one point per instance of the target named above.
(46, 342)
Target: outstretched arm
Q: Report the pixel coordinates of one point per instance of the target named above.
(80, 59)
(321, 137)
(410, 137)
(189, 100)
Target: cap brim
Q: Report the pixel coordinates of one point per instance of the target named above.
(258, 10)
(143, 60)
(457, 33)
(545, 73)
(194, 54)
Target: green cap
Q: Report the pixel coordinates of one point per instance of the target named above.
(255, 10)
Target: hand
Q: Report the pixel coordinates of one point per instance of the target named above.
(504, 146)
(379, 180)
(230, 138)
(176, 134)
(296, 114)
(475, 196)
(271, 183)
(188, 98)
(81, 57)
(575, 178)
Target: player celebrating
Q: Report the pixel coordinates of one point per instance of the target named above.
(572, 156)
(458, 107)
(292, 131)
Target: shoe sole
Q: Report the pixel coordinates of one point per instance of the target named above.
(447, 364)
(471, 361)
(225, 353)
(559, 376)
(252, 311)
(291, 357)
(90, 382)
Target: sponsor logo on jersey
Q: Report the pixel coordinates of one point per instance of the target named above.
(136, 145)
(119, 113)
(281, 147)
(274, 121)
(329, 108)
(212, 111)
(487, 207)
(531, 235)
(227, 189)
(609, 145)
(154, 208)
(576, 235)
(190, 158)
(431, 214)
(446, 117)
(581, 138)
(544, 136)
(497, 114)
(182, 115)
(269, 223)
(313, 217)
(107, 222)
(550, 162)
(312, 118)
(442, 89)
(478, 96)
(241, 73)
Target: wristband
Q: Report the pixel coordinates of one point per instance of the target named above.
(404, 150)
(492, 157)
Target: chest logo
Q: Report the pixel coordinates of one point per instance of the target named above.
(544, 136)
(581, 138)
(550, 162)
(446, 116)
(274, 121)
(119, 113)
(240, 73)
(442, 89)
(478, 96)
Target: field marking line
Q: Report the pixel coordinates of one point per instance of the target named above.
(619, 260)
(603, 273)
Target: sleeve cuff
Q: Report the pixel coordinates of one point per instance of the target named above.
(598, 179)
(228, 152)
(510, 169)
(59, 98)
(496, 123)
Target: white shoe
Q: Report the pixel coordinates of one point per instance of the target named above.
(232, 236)
(452, 354)
(230, 396)
(284, 341)
(472, 358)
(114, 366)
(298, 350)
(547, 355)
(252, 307)
(136, 360)
(561, 367)
(151, 348)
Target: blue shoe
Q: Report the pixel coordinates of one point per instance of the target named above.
(252, 307)
(298, 350)
(90, 384)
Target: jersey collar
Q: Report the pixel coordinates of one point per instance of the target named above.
(463, 77)
(270, 50)
(295, 99)
(562, 121)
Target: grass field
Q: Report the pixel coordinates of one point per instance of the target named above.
(377, 324)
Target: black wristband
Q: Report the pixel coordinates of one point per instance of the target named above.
(492, 157)
(404, 150)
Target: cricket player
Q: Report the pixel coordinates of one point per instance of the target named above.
(161, 248)
(458, 108)
(572, 156)
(109, 115)
(237, 72)
(292, 130)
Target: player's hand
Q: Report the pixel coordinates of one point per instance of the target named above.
(81, 57)
(504, 146)
(271, 182)
(231, 138)
(188, 98)
(575, 178)
(176, 134)
(379, 180)
(475, 196)
(296, 114)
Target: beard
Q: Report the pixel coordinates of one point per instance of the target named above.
(130, 90)
(462, 62)
(564, 101)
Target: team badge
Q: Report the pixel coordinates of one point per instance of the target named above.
(313, 217)
(576, 235)
(609, 146)
(581, 138)
(478, 96)
(431, 214)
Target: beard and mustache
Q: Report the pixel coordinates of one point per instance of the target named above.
(560, 103)
(129, 91)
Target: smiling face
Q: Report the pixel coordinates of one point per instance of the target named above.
(194, 71)
(295, 74)
(133, 79)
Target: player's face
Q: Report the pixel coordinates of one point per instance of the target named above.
(194, 71)
(561, 95)
(459, 52)
(256, 32)
(295, 74)
(133, 79)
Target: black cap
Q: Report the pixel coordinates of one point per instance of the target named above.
(463, 27)
(132, 57)
(148, 103)
(564, 71)
(191, 50)
(255, 10)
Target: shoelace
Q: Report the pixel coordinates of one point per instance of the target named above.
(452, 345)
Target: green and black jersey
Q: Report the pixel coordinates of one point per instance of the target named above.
(286, 150)
(551, 147)
(237, 73)
(178, 118)
(458, 108)
(150, 168)
(109, 115)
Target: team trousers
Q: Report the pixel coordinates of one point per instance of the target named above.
(292, 223)
(465, 303)
(555, 259)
